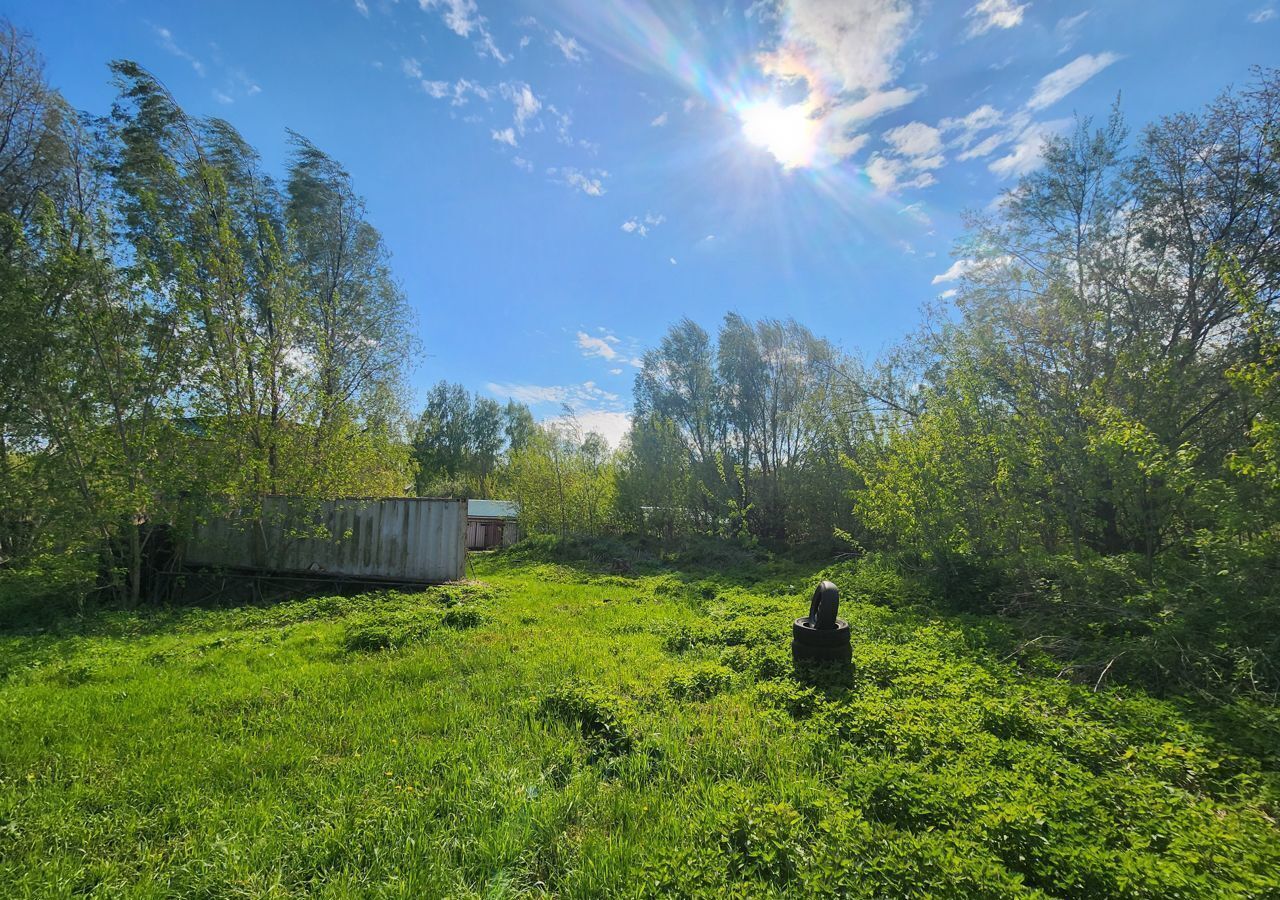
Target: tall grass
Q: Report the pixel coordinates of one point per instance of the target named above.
(558, 728)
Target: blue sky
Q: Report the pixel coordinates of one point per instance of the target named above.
(560, 181)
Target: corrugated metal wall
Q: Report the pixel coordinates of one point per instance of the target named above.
(400, 539)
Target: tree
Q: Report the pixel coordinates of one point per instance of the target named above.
(357, 334)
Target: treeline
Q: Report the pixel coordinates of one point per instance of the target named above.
(563, 478)
(180, 330)
(1087, 437)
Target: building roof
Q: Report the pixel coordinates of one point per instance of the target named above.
(493, 509)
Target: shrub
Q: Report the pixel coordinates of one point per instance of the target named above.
(606, 721)
(700, 683)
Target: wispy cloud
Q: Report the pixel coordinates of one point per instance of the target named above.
(641, 224)
(1060, 82)
(989, 14)
(611, 425)
(463, 18)
(591, 184)
(362, 8)
(915, 139)
(963, 267)
(916, 212)
(1265, 14)
(603, 347)
(541, 394)
(569, 47)
(1067, 30)
(1024, 157)
(968, 128)
(659, 120)
(913, 153)
(231, 81)
(987, 130)
(170, 45)
(958, 270)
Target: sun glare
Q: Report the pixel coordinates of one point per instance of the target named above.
(787, 132)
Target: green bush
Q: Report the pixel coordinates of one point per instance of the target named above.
(606, 721)
(699, 683)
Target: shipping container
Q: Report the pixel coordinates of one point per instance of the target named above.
(401, 539)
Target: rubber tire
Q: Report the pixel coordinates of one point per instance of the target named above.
(802, 633)
(838, 653)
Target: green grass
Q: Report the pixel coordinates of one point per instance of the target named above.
(550, 729)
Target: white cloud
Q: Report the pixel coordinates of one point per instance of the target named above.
(463, 18)
(459, 91)
(846, 53)
(851, 45)
(672, 260)
(948, 293)
(659, 120)
(460, 16)
(916, 212)
(591, 184)
(890, 174)
(222, 98)
(915, 151)
(915, 139)
(505, 136)
(877, 104)
(521, 163)
(968, 128)
(535, 394)
(1025, 155)
(988, 14)
(597, 347)
(963, 267)
(563, 121)
(524, 101)
(641, 224)
(615, 371)
(986, 146)
(958, 270)
(1265, 14)
(569, 46)
(170, 45)
(1068, 29)
(1057, 84)
(362, 8)
(609, 424)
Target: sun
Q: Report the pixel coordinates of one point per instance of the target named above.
(787, 132)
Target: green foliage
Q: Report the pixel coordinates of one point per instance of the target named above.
(699, 683)
(180, 341)
(1092, 406)
(606, 721)
(564, 482)
(459, 441)
(561, 749)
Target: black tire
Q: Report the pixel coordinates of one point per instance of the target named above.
(803, 633)
(838, 653)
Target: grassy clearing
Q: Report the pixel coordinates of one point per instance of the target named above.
(553, 729)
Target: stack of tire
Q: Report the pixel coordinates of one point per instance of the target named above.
(821, 637)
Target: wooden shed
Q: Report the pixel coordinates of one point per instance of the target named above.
(492, 524)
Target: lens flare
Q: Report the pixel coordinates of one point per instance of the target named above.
(789, 133)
